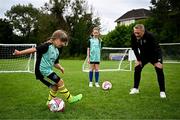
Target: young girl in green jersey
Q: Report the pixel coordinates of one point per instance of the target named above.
(93, 54)
(47, 58)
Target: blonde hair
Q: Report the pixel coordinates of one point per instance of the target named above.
(61, 34)
(96, 28)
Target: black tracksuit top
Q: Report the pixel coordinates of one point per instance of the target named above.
(146, 48)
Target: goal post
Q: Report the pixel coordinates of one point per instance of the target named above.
(171, 52)
(11, 63)
(113, 59)
(120, 59)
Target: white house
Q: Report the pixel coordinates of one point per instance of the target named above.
(132, 16)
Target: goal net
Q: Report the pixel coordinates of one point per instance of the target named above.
(171, 52)
(11, 63)
(113, 59)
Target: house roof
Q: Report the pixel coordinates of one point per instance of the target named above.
(134, 14)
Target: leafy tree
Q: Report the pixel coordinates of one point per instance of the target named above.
(58, 9)
(119, 37)
(23, 18)
(164, 23)
(47, 24)
(6, 34)
(73, 16)
(166, 17)
(36, 25)
(81, 23)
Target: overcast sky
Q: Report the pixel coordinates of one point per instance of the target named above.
(107, 10)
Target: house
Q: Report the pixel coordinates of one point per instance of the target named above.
(132, 16)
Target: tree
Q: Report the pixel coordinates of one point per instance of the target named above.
(166, 17)
(6, 34)
(36, 25)
(81, 24)
(119, 37)
(75, 17)
(46, 25)
(59, 8)
(23, 18)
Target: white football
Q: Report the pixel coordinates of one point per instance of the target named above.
(56, 105)
(106, 85)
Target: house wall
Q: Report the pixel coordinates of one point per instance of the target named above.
(128, 22)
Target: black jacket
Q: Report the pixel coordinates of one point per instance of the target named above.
(146, 47)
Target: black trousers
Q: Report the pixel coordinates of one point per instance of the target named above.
(159, 72)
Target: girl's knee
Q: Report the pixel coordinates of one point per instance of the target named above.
(54, 87)
(96, 70)
(60, 83)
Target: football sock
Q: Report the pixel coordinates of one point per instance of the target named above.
(160, 77)
(137, 76)
(52, 94)
(97, 76)
(90, 76)
(65, 93)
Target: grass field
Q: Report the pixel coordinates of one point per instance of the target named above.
(23, 97)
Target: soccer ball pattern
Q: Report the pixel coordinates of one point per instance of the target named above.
(56, 105)
(106, 85)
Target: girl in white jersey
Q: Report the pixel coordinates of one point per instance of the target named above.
(47, 58)
(93, 54)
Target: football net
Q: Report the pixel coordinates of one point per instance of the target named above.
(113, 59)
(171, 52)
(11, 63)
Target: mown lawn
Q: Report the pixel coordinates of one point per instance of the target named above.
(23, 97)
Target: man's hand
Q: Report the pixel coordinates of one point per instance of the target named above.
(138, 63)
(158, 65)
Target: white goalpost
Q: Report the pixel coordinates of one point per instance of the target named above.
(11, 63)
(113, 59)
(120, 59)
(171, 52)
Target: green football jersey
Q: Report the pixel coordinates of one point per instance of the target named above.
(48, 60)
(95, 49)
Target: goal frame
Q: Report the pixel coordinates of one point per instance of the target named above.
(28, 63)
(167, 44)
(120, 61)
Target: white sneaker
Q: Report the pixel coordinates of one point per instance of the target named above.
(90, 84)
(97, 84)
(134, 91)
(162, 95)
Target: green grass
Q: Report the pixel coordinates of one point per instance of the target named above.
(19, 63)
(23, 97)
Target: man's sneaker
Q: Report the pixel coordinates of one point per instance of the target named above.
(162, 95)
(90, 84)
(134, 91)
(97, 84)
(75, 98)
